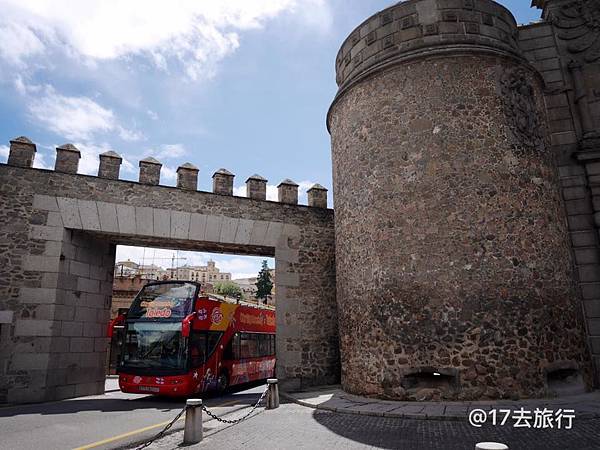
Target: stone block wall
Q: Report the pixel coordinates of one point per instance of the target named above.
(57, 341)
(571, 72)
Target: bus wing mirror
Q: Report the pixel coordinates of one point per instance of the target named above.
(186, 325)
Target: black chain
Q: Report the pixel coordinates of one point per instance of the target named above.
(205, 409)
(164, 430)
(214, 416)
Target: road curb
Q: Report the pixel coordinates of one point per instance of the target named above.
(389, 414)
(414, 416)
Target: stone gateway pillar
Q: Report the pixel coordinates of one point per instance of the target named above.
(454, 274)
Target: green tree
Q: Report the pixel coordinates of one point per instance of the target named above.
(228, 289)
(264, 285)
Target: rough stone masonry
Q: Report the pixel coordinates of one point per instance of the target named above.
(454, 267)
(466, 168)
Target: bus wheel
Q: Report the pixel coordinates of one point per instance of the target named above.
(222, 383)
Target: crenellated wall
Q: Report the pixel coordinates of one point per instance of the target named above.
(58, 231)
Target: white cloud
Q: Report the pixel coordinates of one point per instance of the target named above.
(168, 174)
(238, 265)
(172, 151)
(76, 118)
(192, 34)
(130, 135)
(24, 88)
(272, 192)
(302, 188)
(4, 152)
(89, 162)
(39, 162)
(128, 166)
(18, 42)
(165, 152)
(239, 191)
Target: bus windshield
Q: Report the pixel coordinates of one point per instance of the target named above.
(163, 301)
(154, 345)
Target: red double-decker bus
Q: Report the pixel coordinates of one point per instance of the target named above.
(179, 341)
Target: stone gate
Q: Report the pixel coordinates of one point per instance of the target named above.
(58, 234)
(466, 167)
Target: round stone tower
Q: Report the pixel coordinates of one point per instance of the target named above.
(454, 274)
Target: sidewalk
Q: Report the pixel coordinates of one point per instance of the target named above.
(332, 398)
(296, 427)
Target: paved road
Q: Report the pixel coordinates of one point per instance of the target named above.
(75, 423)
(94, 420)
(293, 426)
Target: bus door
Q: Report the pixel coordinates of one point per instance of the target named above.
(204, 358)
(213, 340)
(197, 359)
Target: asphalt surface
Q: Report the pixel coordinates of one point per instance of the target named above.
(99, 422)
(86, 421)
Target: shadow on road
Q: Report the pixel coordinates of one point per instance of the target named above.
(393, 433)
(107, 404)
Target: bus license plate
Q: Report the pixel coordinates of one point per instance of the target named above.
(149, 389)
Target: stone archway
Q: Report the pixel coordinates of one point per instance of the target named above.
(61, 232)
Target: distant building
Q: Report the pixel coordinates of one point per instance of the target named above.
(202, 274)
(131, 269)
(124, 291)
(152, 272)
(248, 287)
(126, 268)
(131, 276)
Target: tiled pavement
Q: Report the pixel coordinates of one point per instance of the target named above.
(370, 423)
(332, 398)
(292, 426)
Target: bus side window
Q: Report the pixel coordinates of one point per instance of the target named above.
(272, 344)
(198, 349)
(255, 345)
(245, 339)
(264, 344)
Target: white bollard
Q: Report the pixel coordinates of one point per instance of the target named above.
(490, 446)
(192, 433)
(273, 394)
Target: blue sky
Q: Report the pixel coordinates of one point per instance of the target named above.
(239, 84)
